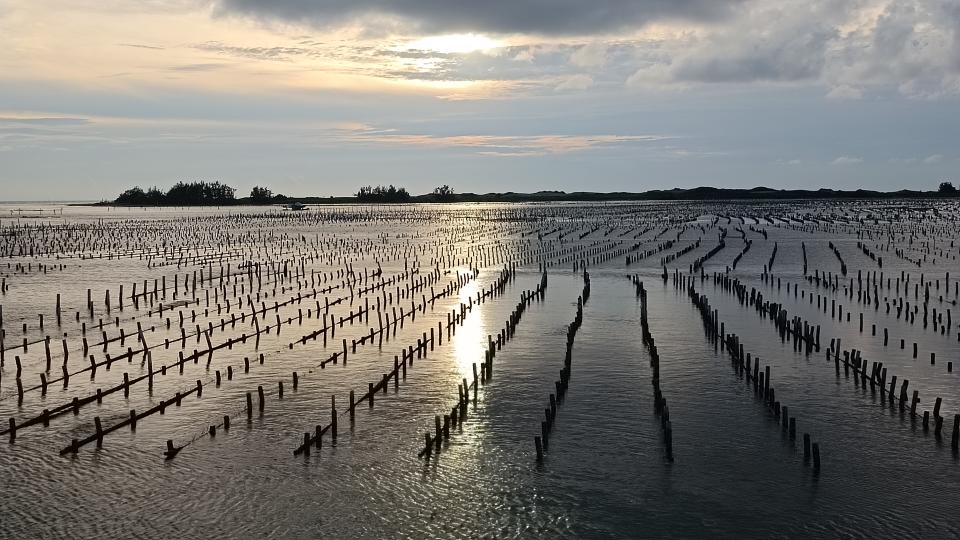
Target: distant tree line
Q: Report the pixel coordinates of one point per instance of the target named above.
(137, 196)
(381, 194)
(194, 194)
(262, 195)
(443, 194)
(215, 193)
(393, 194)
(181, 194)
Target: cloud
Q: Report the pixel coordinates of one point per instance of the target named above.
(575, 82)
(505, 145)
(907, 46)
(783, 41)
(842, 49)
(847, 160)
(257, 53)
(415, 54)
(51, 131)
(849, 49)
(209, 66)
(789, 61)
(844, 92)
(563, 17)
(20, 130)
(141, 46)
(27, 119)
(525, 55)
(592, 55)
(932, 159)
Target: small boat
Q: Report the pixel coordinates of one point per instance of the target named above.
(296, 206)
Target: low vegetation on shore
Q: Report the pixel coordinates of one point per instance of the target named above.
(204, 193)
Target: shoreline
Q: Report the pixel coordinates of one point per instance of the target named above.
(694, 194)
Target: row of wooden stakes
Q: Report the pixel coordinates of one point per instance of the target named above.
(541, 442)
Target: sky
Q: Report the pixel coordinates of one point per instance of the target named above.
(320, 97)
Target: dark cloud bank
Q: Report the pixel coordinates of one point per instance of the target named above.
(554, 17)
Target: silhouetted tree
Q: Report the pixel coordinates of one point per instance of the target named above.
(947, 188)
(137, 197)
(134, 195)
(260, 194)
(154, 196)
(200, 193)
(442, 193)
(380, 194)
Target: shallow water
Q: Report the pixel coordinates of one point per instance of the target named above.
(735, 473)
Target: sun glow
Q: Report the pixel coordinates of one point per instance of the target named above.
(454, 43)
